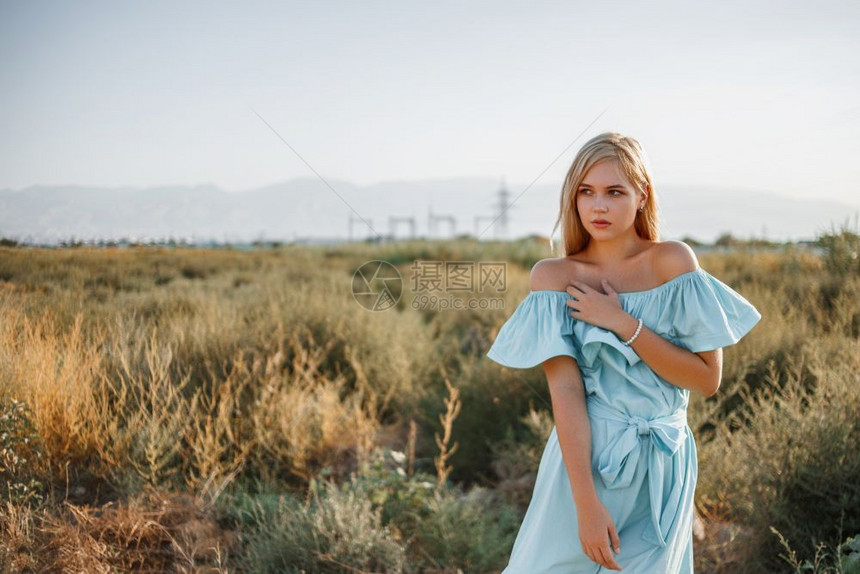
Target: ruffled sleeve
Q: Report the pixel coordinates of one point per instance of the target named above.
(592, 340)
(703, 314)
(539, 329)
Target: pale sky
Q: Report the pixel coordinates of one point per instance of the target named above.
(757, 95)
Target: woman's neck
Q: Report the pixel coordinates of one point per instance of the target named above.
(615, 251)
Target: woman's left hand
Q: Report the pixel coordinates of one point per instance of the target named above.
(592, 306)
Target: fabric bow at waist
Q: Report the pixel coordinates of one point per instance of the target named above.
(618, 460)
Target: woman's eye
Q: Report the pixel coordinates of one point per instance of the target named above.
(616, 191)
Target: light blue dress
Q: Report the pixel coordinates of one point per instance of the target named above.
(643, 452)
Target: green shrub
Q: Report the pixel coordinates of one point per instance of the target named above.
(443, 529)
(842, 249)
(333, 532)
(845, 559)
(516, 458)
(381, 520)
(796, 465)
(20, 451)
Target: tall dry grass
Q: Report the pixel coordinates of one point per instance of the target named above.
(107, 410)
(229, 381)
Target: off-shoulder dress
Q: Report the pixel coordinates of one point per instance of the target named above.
(643, 452)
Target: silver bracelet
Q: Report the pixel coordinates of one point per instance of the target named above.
(636, 334)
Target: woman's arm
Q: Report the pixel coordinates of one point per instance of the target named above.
(567, 391)
(596, 527)
(699, 372)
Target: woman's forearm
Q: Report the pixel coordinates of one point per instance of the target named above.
(675, 364)
(572, 425)
(700, 372)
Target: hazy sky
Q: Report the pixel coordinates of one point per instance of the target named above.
(758, 95)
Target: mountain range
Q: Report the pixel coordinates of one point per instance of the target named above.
(311, 209)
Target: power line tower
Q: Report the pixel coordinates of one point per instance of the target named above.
(434, 220)
(392, 225)
(500, 220)
(502, 208)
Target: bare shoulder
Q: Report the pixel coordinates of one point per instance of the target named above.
(673, 258)
(550, 274)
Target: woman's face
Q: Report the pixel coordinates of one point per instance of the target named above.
(606, 201)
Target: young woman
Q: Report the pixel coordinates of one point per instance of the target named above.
(625, 327)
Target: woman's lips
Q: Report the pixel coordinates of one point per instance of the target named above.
(600, 224)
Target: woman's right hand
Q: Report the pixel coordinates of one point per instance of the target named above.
(596, 529)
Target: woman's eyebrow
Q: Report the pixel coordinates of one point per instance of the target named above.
(607, 187)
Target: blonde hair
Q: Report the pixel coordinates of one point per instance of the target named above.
(635, 167)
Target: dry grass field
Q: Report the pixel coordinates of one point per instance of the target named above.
(180, 410)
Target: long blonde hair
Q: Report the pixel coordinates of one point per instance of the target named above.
(635, 167)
